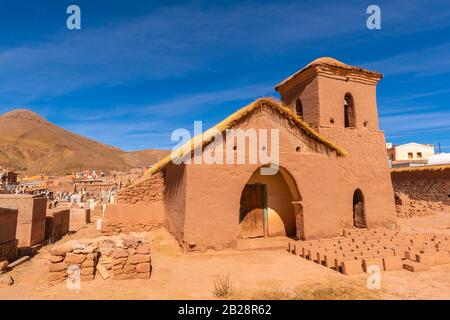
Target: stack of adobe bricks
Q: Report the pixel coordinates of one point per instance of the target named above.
(389, 250)
(117, 257)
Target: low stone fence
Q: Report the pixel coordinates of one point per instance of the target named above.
(116, 257)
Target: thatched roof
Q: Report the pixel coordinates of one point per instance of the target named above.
(443, 167)
(207, 137)
(328, 61)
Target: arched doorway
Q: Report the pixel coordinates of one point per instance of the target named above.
(270, 206)
(359, 210)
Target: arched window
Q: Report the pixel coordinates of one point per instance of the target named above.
(299, 108)
(349, 112)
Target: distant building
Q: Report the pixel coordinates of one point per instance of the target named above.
(439, 159)
(409, 154)
(8, 178)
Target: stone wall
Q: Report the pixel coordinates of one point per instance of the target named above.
(420, 183)
(147, 189)
(117, 257)
(421, 191)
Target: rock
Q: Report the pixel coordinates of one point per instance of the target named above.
(119, 253)
(57, 267)
(120, 261)
(56, 259)
(4, 265)
(139, 258)
(86, 250)
(61, 250)
(103, 272)
(87, 271)
(130, 242)
(88, 264)
(7, 280)
(74, 258)
(143, 249)
(129, 268)
(106, 252)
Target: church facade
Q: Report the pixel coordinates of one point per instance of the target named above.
(331, 171)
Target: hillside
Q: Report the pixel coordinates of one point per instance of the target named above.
(31, 144)
(144, 158)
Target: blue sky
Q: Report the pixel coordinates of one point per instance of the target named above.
(139, 69)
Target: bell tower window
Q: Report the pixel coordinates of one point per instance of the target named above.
(299, 108)
(349, 112)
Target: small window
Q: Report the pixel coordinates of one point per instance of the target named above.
(419, 155)
(410, 155)
(299, 108)
(349, 112)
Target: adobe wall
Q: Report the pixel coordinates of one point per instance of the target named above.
(307, 92)
(422, 184)
(139, 207)
(213, 192)
(57, 224)
(8, 224)
(8, 241)
(364, 168)
(149, 189)
(78, 218)
(31, 217)
(332, 91)
(124, 218)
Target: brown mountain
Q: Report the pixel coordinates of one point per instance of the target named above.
(31, 144)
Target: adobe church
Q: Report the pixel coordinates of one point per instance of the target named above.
(333, 171)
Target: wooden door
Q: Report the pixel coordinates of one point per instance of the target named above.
(252, 211)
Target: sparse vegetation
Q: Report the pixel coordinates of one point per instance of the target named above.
(223, 287)
(318, 291)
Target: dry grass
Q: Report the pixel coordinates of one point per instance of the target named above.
(318, 291)
(208, 136)
(223, 287)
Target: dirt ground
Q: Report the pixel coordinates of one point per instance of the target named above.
(269, 273)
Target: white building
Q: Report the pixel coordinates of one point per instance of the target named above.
(411, 152)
